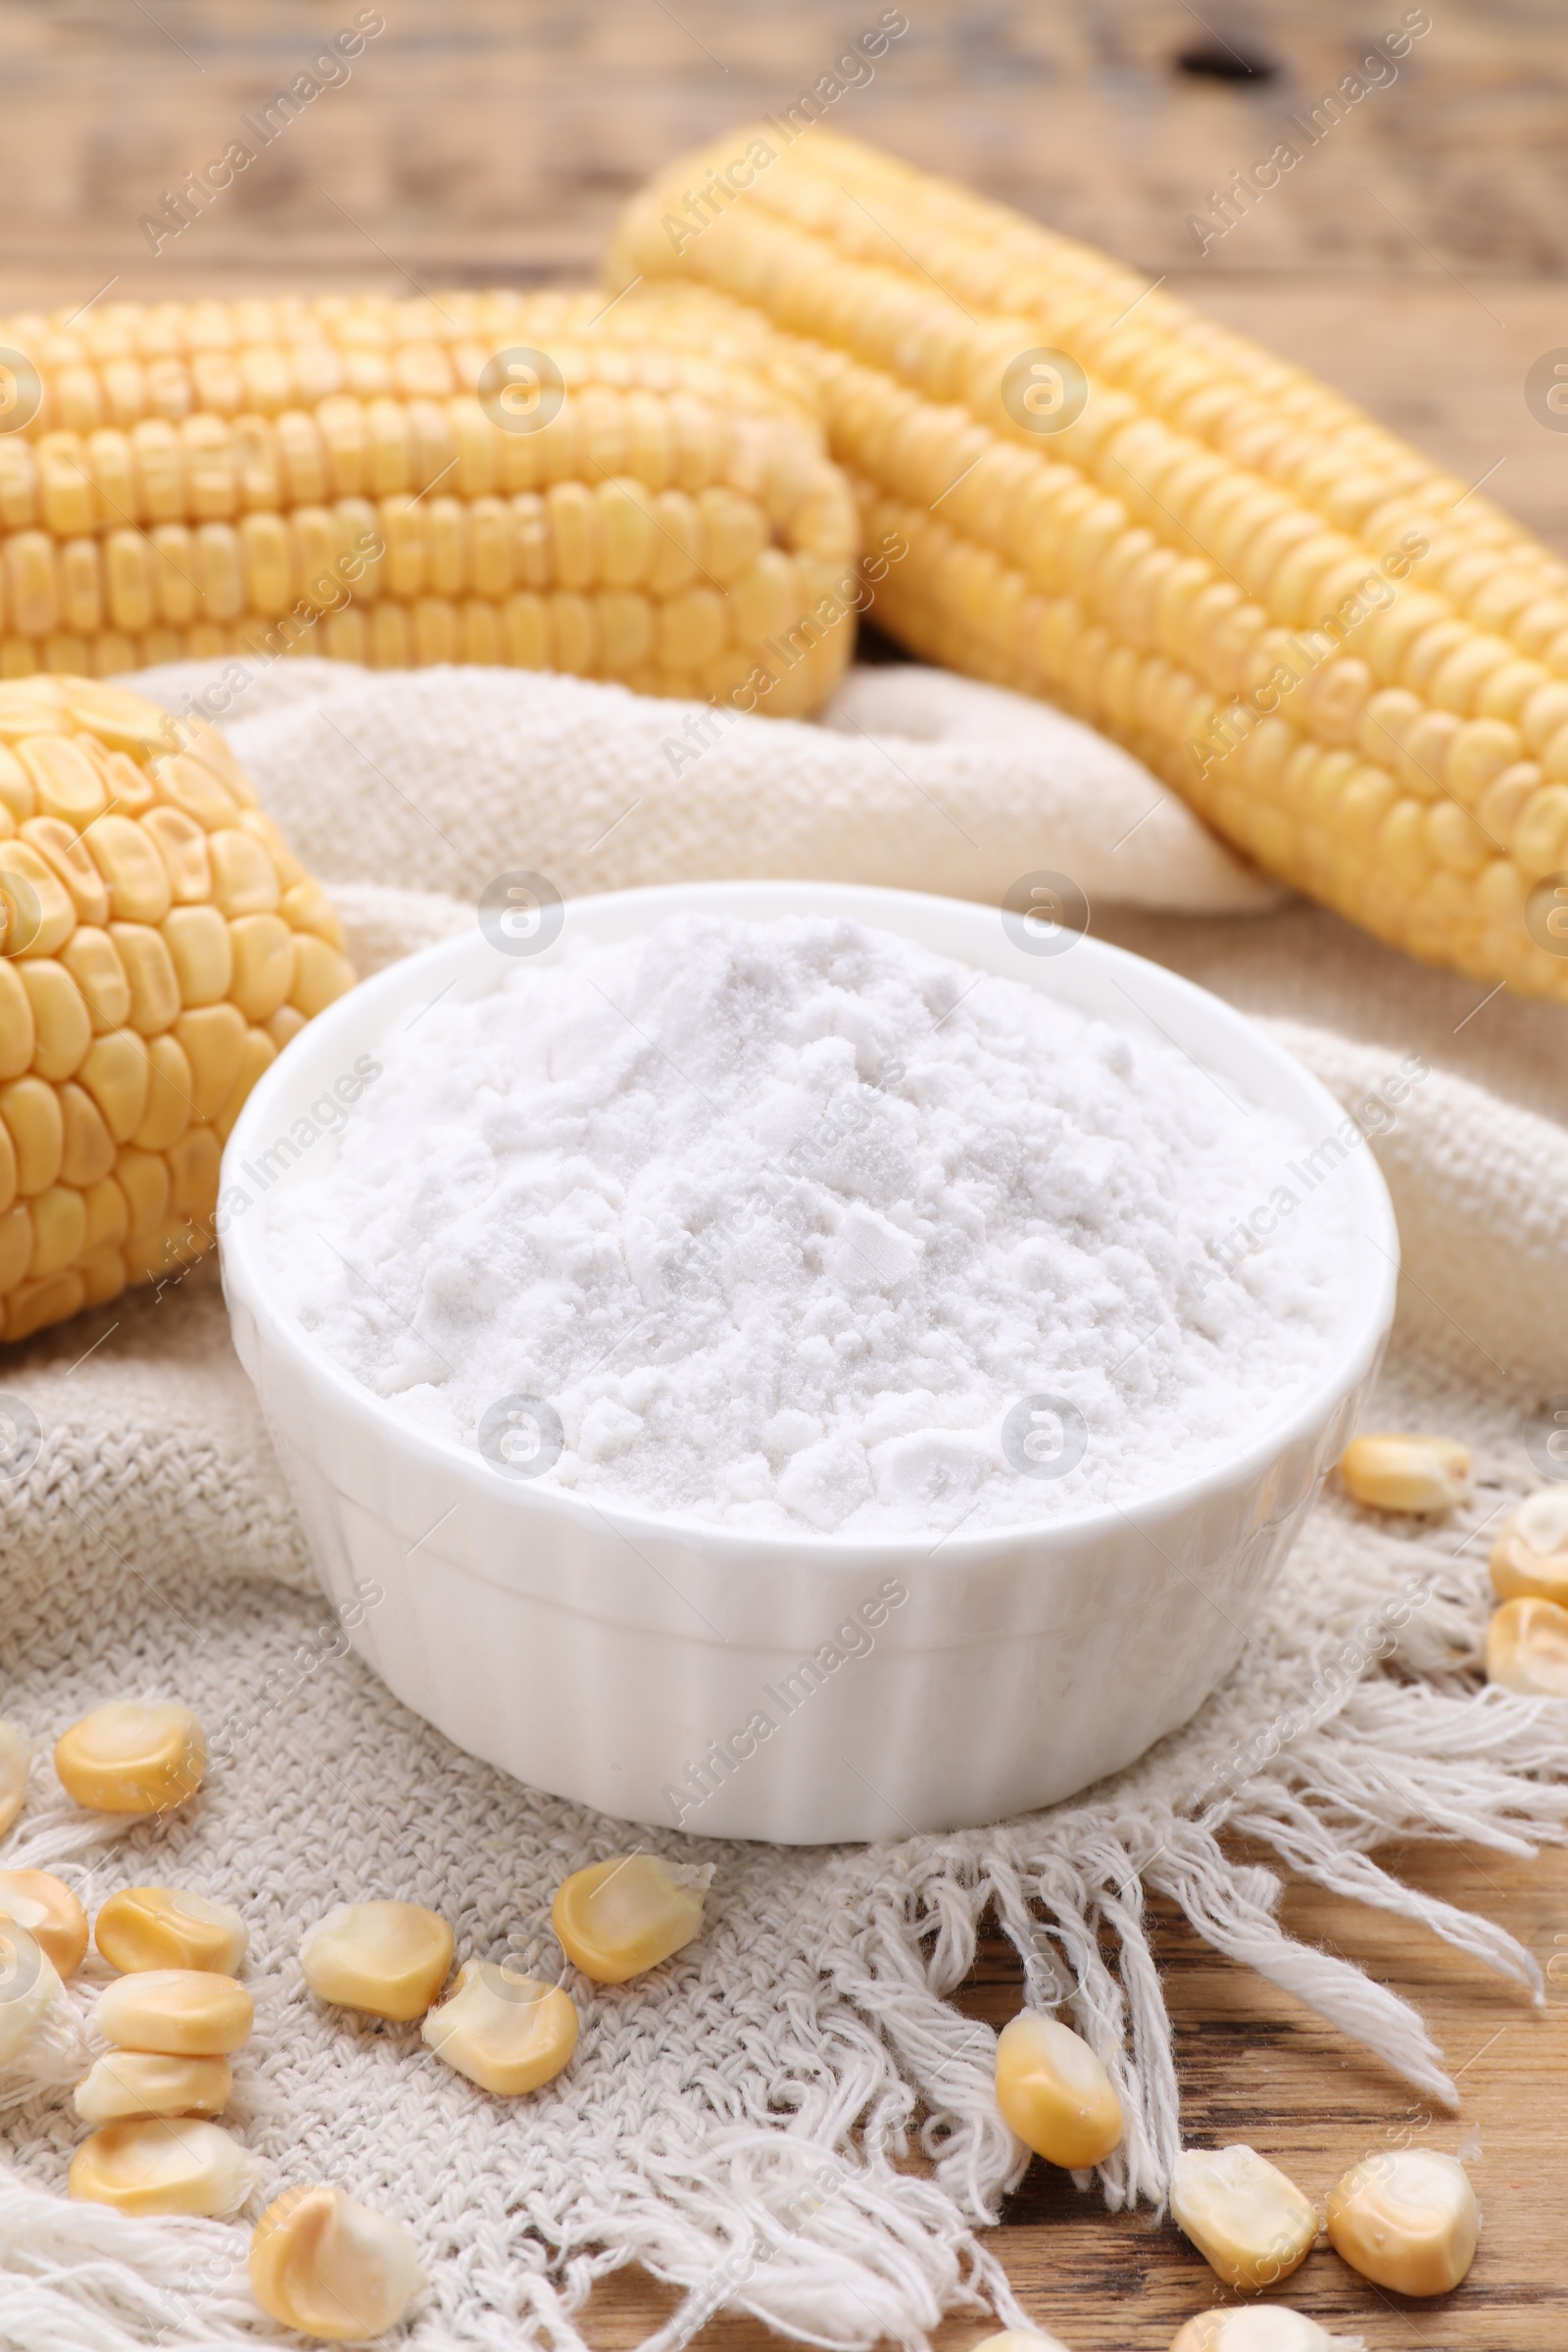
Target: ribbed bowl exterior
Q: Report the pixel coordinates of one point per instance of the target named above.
(800, 1690)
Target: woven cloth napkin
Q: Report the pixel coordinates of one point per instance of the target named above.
(789, 2118)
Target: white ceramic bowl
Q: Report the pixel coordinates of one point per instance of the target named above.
(602, 1652)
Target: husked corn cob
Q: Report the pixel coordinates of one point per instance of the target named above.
(158, 944)
(365, 479)
(1353, 665)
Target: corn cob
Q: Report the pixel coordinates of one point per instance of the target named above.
(158, 946)
(1348, 663)
(341, 476)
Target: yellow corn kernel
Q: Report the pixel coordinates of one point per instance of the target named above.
(163, 1927)
(171, 1096)
(117, 1073)
(87, 1151)
(284, 1026)
(262, 951)
(132, 1757)
(59, 1230)
(157, 2165)
(179, 2012)
(16, 1037)
(1530, 1557)
(1055, 2093)
(35, 1124)
(62, 1025)
(321, 974)
(1420, 1474)
(1526, 1649)
(331, 2267)
(28, 1988)
(88, 956)
(108, 1215)
(67, 854)
(197, 940)
(32, 1306)
(132, 2083)
(617, 1919)
(138, 882)
(182, 846)
(46, 1907)
(194, 1163)
(306, 906)
(1407, 2220)
(211, 1039)
(15, 1759)
(1265, 2327)
(388, 1959)
(244, 879)
(37, 918)
(505, 2031)
(1252, 2225)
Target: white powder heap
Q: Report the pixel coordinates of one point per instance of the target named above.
(783, 1219)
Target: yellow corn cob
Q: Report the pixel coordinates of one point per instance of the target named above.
(1351, 664)
(344, 476)
(158, 946)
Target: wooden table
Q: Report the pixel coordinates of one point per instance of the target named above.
(1414, 259)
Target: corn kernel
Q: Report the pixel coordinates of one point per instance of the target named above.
(389, 1959)
(157, 2165)
(132, 2082)
(1252, 2225)
(132, 1757)
(1055, 2093)
(330, 2267)
(29, 1983)
(1407, 2220)
(46, 1907)
(1530, 1559)
(15, 1758)
(505, 2031)
(1265, 2327)
(1398, 1473)
(177, 2012)
(618, 1918)
(1526, 1649)
(162, 1926)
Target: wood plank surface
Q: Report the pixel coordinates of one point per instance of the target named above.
(1414, 257)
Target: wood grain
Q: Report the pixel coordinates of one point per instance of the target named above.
(1413, 259)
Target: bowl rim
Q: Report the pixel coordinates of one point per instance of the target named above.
(244, 1272)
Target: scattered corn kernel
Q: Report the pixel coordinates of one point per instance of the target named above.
(159, 2165)
(1251, 2224)
(14, 1758)
(132, 2083)
(28, 1984)
(1526, 1649)
(505, 2031)
(617, 1919)
(1420, 1474)
(1530, 1559)
(1265, 2327)
(328, 2265)
(1407, 2220)
(162, 1926)
(132, 1757)
(389, 1959)
(46, 1907)
(1055, 2093)
(182, 2012)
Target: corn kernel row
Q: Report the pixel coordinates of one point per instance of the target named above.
(614, 534)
